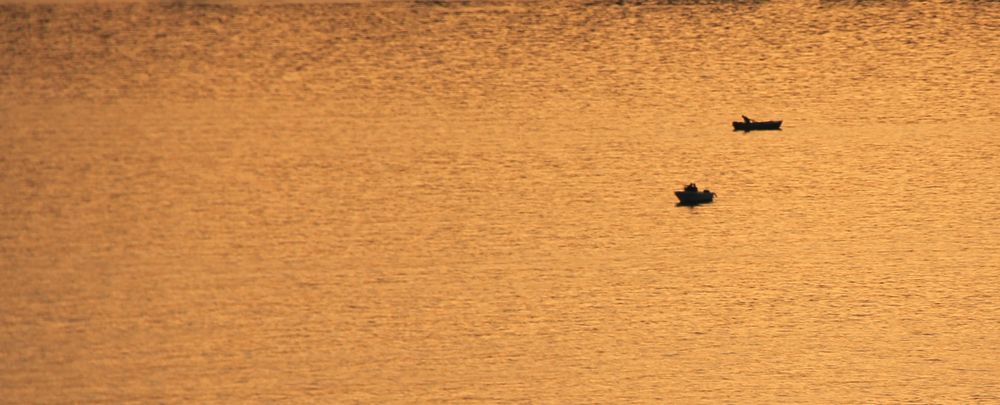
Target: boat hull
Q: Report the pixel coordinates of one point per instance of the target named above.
(756, 126)
(694, 197)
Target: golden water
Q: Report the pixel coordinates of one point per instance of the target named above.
(406, 202)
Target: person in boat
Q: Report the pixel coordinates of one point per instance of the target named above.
(691, 188)
(746, 120)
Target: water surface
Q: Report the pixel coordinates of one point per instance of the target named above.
(472, 202)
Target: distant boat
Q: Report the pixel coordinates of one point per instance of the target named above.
(756, 125)
(690, 195)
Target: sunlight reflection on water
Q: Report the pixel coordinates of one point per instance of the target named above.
(472, 202)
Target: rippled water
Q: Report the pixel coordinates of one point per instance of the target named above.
(472, 202)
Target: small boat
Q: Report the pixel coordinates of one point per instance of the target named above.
(691, 195)
(756, 125)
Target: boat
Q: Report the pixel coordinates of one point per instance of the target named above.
(756, 125)
(690, 195)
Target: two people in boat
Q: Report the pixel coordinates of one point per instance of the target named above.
(693, 188)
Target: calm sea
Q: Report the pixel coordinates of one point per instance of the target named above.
(471, 202)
